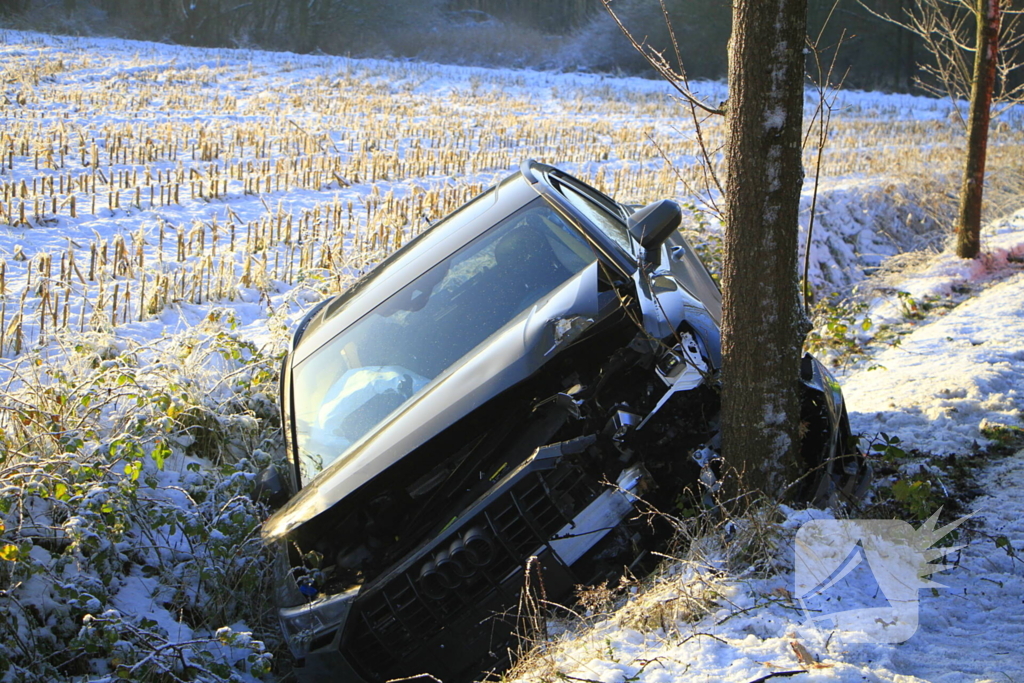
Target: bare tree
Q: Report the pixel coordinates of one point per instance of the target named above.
(699, 110)
(762, 321)
(968, 222)
(974, 46)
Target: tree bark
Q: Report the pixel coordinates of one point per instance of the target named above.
(763, 324)
(968, 225)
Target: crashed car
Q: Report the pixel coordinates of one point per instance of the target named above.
(517, 382)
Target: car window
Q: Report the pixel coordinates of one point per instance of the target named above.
(427, 240)
(370, 370)
(602, 219)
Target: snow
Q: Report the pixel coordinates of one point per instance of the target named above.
(970, 630)
(954, 371)
(957, 370)
(774, 119)
(946, 377)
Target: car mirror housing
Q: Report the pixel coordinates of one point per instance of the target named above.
(653, 224)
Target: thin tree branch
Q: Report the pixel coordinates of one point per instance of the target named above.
(827, 94)
(657, 61)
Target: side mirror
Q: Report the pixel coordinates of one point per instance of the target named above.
(270, 489)
(653, 224)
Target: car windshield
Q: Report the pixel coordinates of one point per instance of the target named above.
(346, 389)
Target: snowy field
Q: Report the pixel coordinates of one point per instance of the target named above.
(168, 214)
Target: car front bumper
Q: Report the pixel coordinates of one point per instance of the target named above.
(398, 625)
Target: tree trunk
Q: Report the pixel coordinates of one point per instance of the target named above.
(986, 49)
(763, 324)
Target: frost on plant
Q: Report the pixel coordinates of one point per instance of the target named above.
(127, 535)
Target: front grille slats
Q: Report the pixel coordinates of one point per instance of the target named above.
(526, 510)
(397, 617)
(431, 614)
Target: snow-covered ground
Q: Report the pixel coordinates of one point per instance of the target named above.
(112, 127)
(956, 371)
(959, 366)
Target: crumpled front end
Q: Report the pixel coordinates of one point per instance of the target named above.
(447, 604)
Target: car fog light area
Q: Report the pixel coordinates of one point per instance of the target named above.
(308, 623)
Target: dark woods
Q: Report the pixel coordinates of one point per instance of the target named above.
(569, 34)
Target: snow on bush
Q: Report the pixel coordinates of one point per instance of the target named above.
(127, 534)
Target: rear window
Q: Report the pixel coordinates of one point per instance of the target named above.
(357, 380)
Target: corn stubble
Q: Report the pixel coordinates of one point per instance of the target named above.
(383, 162)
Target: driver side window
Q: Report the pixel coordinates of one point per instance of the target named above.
(599, 217)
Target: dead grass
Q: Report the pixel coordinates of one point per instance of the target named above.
(709, 553)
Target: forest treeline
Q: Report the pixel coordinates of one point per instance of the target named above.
(562, 34)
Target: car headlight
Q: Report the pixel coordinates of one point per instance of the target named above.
(304, 624)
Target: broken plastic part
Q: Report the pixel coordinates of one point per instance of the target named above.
(703, 456)
(597, 519)
(709, 480)
(621, 423)
(567, 330)
(565, 402)
(685, 370)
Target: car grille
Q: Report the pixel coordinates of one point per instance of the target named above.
(395, 618)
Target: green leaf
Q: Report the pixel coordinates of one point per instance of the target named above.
(60, 491)
(160, 454)
(10, 553)
(1004, 543)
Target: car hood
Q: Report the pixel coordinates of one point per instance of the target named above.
(507, 358)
